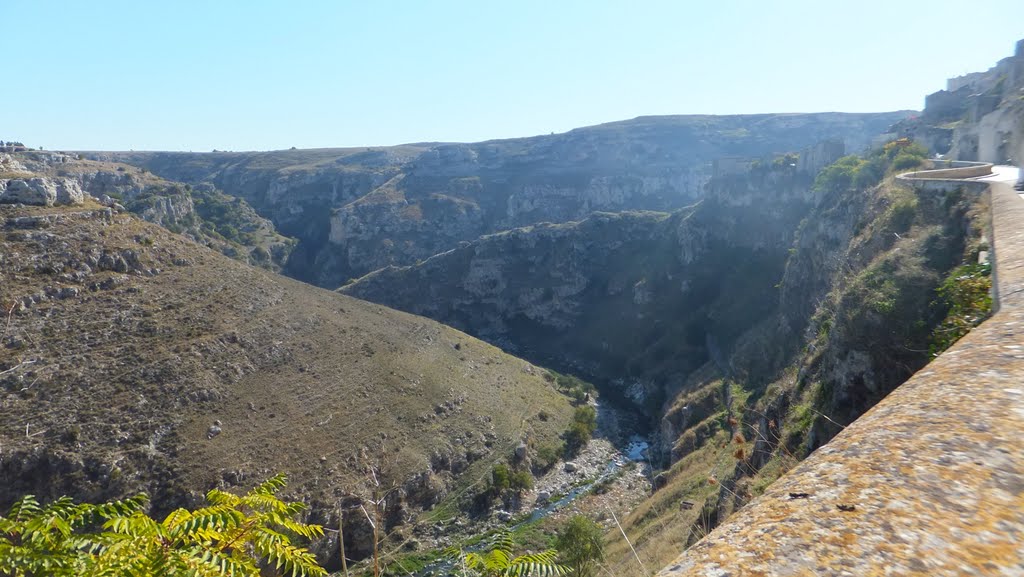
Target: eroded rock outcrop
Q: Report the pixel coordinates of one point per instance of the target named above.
(204, 213)
(41, 191)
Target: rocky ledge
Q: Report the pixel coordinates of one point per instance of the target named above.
(41, 191)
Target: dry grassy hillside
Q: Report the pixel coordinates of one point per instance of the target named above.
(132, 358)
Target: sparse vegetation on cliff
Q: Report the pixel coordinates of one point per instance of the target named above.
(967, 295)
(204, 213)
(854, 172)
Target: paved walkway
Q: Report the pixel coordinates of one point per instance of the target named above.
(928, 482)
(1004, 173)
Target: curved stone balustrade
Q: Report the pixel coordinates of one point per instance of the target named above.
(950, 169)
(949, 175)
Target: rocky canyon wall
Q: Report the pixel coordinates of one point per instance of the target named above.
(360, 209)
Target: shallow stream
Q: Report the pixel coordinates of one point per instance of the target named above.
(635, 451)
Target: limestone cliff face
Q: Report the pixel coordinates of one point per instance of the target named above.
(169, 211)
(357, 210)
(384, 227)
(630, 299)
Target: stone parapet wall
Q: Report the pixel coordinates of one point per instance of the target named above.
(948, 176)
(955, 169)
(1008, 249)
(943, 186)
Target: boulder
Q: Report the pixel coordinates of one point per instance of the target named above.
(570, 467)
(41, 191)
(521, 451)
(69, 191)
(9, 164)
(35, 191)
(660, 480)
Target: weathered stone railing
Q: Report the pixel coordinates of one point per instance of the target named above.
(952, 169)
(928, 482)
(949, 175)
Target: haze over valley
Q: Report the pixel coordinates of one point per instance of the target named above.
(627, 348)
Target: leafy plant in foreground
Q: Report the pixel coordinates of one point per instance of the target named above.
(498, 561)
(233, 535)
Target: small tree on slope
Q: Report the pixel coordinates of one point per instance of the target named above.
(581, 546)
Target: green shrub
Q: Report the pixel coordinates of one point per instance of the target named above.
(903, 147)
(578, 396)
(578, 389)
(586, 415)
(520, 481)
(870, 173)
(966, 293)
(904, 161)
(504, 480)
(880, 291)
(229, 232)
(501, 478)
(901, 215)
(548, 455)
(863, 172)
(840, 175)
(584, 422)
(576, 437)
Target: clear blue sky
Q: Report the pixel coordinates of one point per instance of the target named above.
(256, 75)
